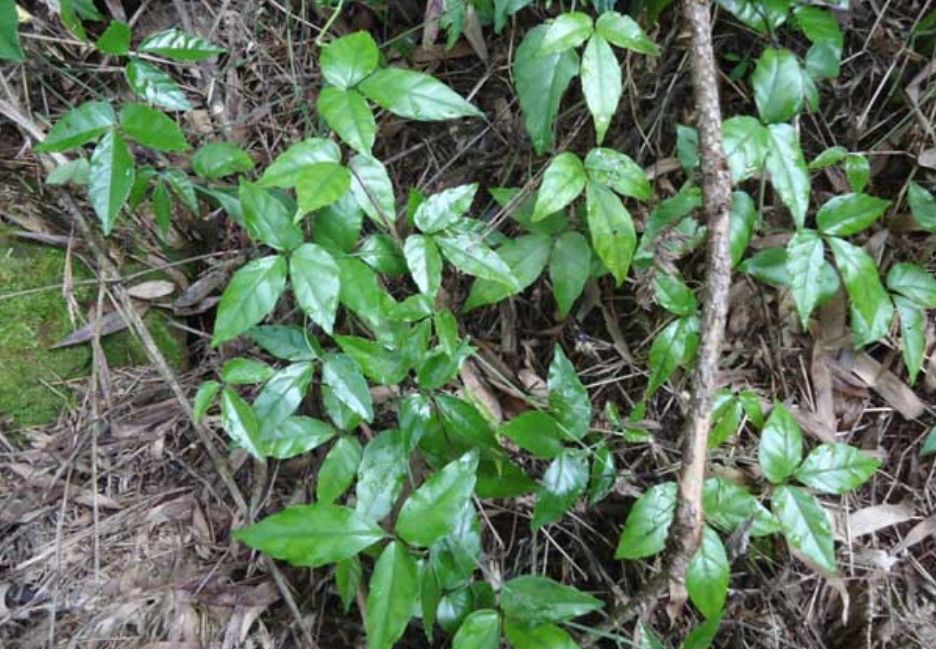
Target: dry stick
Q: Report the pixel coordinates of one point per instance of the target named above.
(125, 303)
(686, 531)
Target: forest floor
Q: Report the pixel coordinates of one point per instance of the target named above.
(114, 526)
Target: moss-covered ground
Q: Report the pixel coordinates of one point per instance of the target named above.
(32, 377)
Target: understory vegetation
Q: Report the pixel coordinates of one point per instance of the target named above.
(441, 272)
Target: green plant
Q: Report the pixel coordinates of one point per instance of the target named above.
(369, 293)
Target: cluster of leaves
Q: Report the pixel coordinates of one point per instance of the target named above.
(794, 512)
(546, 63)
(330, 236)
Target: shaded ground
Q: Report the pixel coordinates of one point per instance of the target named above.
(119, 531)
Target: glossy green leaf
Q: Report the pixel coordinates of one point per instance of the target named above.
(871, 307)
(913, 282)
(536, 432)
(152, 128)
(182, 186)
(373, 189)
(220, 159)
(463, 424)
(78, 126)
(285, 342)
(623, 31)
(922, 206)
(267, 219)
(708, 574)
(343, 375)
(347, 61)
(612, 230)
(912, 335)
(115, 40)
(285, 169)
(444, 209)
(819, 25)
(394, 591)
(929, 444)
(338, 469)
(564, 482)
(337, 227)
(788, 173)
(540, 82)
(744, 219)
(569, 269)
(312, 535)
(156, 86)
(543, 636)
(805, 260)
(568, 398)
(249, 297)
(728, 507)
(381, 473)
(601, 83)
(281, 396)
(670, 211)
(648, 523)
(568, 30)
(346, 112)
(858, 171)
(380, 252)
(316, 282)
(10, 49)
(179, 46)
(245, 371)
(294, 436)
(415, 95)
(603, 475)
(647, 638)
(205, 396)
(781, 445)
(472, 256)
(240, 423)
(673, 295)
(828, 158)
(670, 349)
(836, 468)
(424, 263)
(379, 363)
(321, 184)
(778, 87)
(726, 418)
(687, 147)
(455, 557)
(702, 636)
(563, 182)
(74, 171)
(503, 9)
(532, 599)
(746, 143)
(348, 574)
(805, 525)
(526, 256)
(850, 214)
(433, 510)
(162, 208)
(480, 630)
(361, 293)
(618, 172)
(110, 179)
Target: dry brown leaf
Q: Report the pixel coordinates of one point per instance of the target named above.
(920, 532)
(895, 392)
(152, 290)
(110, 324)
(870, 520)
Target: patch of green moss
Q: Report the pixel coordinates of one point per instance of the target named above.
(32, 377)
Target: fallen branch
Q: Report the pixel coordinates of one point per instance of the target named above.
(686, 531)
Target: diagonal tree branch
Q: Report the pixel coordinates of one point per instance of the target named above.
(686, 532)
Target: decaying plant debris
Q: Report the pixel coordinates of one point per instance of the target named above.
(117, 519)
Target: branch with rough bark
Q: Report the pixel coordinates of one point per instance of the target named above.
(686, 530)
